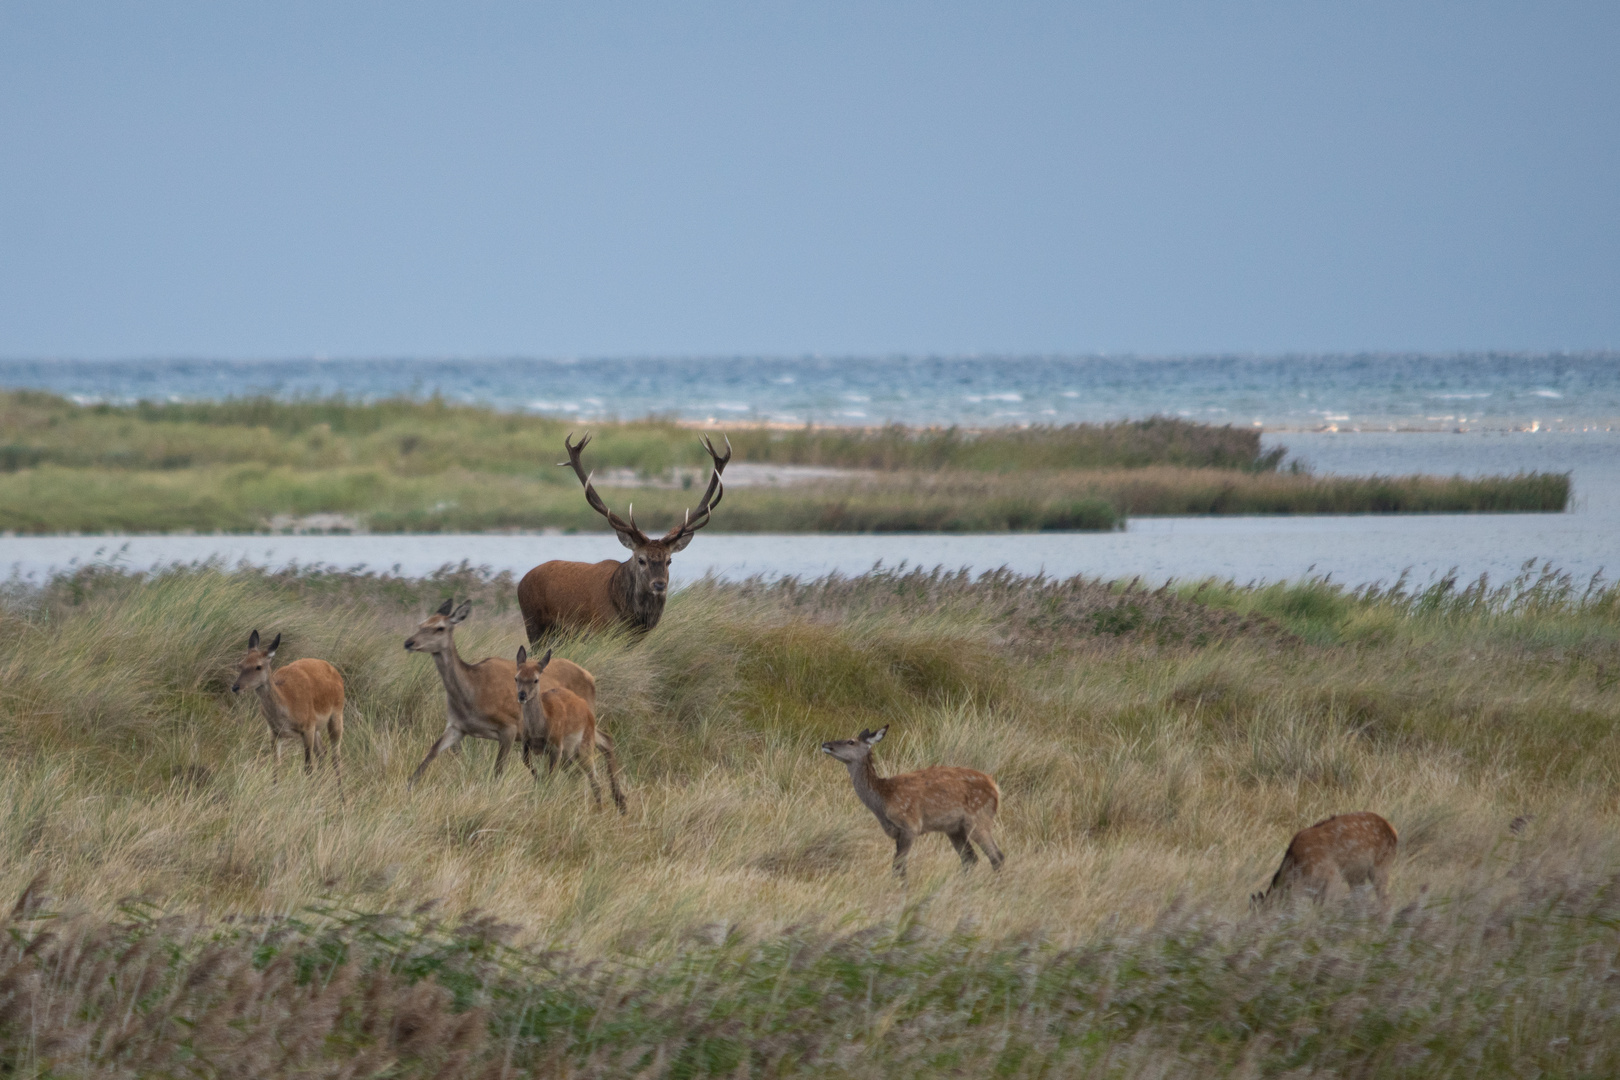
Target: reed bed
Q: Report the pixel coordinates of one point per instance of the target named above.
(1155, 748)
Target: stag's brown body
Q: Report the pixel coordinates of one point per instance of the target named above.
(961, 803)
(1356, 847)
(562, 725)
(563, 595)
(481, 699)
(297, 700)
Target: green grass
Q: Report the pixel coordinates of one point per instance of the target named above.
(1155, 749)
(412, 466)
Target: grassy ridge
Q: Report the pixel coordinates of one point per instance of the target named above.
(412, 437)
(1155, 749)
(401, 465)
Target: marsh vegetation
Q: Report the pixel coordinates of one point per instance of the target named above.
(1155, 750)
(429, 466)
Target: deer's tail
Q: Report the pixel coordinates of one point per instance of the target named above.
(605, 744)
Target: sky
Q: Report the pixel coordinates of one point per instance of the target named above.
(411, 178)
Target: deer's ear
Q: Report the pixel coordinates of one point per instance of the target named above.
(523, 655)
(627, 540)
(271, 651)
(544, 660)
(253, 640)
(876, 736)
(444, 608)
(460, 614)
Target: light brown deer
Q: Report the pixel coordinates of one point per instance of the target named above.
(961, 803)
(562, 725)
(296, 700)
(481, 698)
(576, 595)
(1356, 847)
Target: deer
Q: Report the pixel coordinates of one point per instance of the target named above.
(562, 725)
(1356, 847)
(481, 698)
(961, 803)
(574, 595)
(296, 700)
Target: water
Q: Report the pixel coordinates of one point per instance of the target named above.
(1375, 392)
(1471, 391)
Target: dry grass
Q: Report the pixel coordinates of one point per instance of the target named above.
(1155, 750)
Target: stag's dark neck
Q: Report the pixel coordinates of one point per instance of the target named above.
(870, 788)
(637, 605)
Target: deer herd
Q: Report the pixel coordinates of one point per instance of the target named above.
(547, 705)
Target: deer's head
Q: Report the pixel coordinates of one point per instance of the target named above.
(528, 673)
(433, 635)
(649, 558)
(253, 670)
(857, 749)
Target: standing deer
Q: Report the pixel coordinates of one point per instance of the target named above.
(482, 701)
(296, 700)
(576, 595)
(1357, 847)
(961, 803)
(562, 725)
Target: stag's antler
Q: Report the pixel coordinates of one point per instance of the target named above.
(711, 497)
(620, 526)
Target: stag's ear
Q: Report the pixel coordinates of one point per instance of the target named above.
(253, 640)
(460, 614)
(871, 737)
(271, 651)
(444, 608)
(523, 655)
(680, 542)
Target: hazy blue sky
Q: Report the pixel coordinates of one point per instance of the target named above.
(491, 179)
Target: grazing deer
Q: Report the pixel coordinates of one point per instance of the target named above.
(1357, 847)
(576, 595)
(481, 698)
(562, 725)
(296, 700)
(961, 803)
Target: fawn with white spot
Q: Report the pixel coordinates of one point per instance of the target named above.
(562, 725)
(961, 803)
(1356, 847)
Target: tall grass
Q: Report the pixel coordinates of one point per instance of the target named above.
(1155, 749)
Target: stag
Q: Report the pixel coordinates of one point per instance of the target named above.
(1356, 848)
(574, 595)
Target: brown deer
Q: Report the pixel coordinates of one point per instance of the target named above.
(1357, 847)
(576, 595)
(481, 697)
(296, 700)
(562, 725)
(961, 803)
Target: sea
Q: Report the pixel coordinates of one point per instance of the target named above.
(1386, 413)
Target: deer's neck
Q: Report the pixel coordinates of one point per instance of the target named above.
(635, 602)
(270, 699)
(870, 788)
(457, 686)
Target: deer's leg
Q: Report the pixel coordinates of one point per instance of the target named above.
(505, 738)
(311, 742)
(528, 757)
(902, 845)
(587, 765)
(980, 834)
(450, 738)
(612, 770)
(959, 840)
(1380, 880)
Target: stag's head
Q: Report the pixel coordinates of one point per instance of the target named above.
(649, 558)
(253, 670)
(528, 674)
(857, 749)
(433, 635)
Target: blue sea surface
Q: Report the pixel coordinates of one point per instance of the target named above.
(1469, 391)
